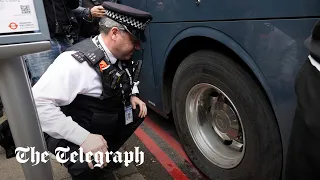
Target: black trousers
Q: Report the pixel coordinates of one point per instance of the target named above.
(303, 158)
(81, 171)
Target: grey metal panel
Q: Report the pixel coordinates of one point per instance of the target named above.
(14, 50)
(22, 116)
(42, 35)
(16, 94)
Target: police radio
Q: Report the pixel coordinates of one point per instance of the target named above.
(137, 68)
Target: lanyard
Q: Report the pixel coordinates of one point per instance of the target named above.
(101, 48)
(126, 69)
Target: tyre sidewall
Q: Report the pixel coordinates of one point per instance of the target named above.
(257, 162)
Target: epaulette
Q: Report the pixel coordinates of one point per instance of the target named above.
(95, 56)
(92, 57)
(79, 56)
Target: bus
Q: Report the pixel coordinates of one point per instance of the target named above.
(225, 72)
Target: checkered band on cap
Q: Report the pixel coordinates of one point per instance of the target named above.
(123, 19)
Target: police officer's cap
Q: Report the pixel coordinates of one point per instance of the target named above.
(133, 20)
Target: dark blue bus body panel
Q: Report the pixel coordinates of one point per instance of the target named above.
(208, 10)
(274, 51)
(268, 35)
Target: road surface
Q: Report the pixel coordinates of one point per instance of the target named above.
(164, 158)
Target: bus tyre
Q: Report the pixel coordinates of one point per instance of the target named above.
(224, 120)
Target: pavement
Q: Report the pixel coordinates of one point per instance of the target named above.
(164, 158)
(10, 169)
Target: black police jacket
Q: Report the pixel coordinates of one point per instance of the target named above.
(96, 114)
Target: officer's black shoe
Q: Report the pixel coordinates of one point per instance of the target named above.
(96, 174)
(6, 139)
(108, 175)
(10, 152)
(112, 166)
(8, 146)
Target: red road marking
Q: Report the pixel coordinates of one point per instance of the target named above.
(166, 162)
(171, 141)
(166, 137)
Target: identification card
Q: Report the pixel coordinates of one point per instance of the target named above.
(128, 114)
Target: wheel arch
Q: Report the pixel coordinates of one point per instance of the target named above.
(196, 38)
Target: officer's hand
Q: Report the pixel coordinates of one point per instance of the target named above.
(97, 11)
(143, 108)
(95, 143)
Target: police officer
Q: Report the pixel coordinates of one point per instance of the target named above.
(303, 158)
(89, 96)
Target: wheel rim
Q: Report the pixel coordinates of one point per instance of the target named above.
(215, 125)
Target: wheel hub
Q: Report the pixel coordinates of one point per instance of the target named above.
(224, 122)
(215, 125)
(221, 121)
